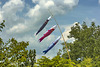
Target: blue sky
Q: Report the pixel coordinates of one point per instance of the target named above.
(24, 17)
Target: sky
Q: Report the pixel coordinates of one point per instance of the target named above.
(24, 17)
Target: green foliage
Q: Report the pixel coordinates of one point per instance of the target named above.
(31, 58)
(1, 41)
(59, 52)
(14, 53)
(96, 61)
(87, 62)
(90, 62)
(87, 41)
(56, 61)
(2, 25)
(44, 62)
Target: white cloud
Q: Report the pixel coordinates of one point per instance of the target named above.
(57, 7)
(23, 28)
(40, 11)
(1, 17)
(12, 6)
(37, 13)
(66, 32)
(34, 12)
(34, 1)
(70, 3)
(17, 28)
(0, 3)
(99, 1)
(49, 3)
(9, 10)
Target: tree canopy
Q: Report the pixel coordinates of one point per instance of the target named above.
(14, 53)
(86, 44)
(56, 61)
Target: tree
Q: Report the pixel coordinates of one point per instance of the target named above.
(90, 62)
(14, 53)
(59, 52)
(87, 62)
(44, 62)
(2, 25)
(31, 57)
(2, 55)
(56, 61)
(86, 44)
(96, 61)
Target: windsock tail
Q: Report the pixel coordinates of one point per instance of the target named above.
(45, 51)
(41, 39)
(36, 33)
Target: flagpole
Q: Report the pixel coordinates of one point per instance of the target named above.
(61, 33)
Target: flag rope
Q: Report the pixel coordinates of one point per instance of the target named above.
(61, 33)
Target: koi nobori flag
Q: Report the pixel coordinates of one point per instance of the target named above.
(52, 45)
(48, 32)
(45, 23)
